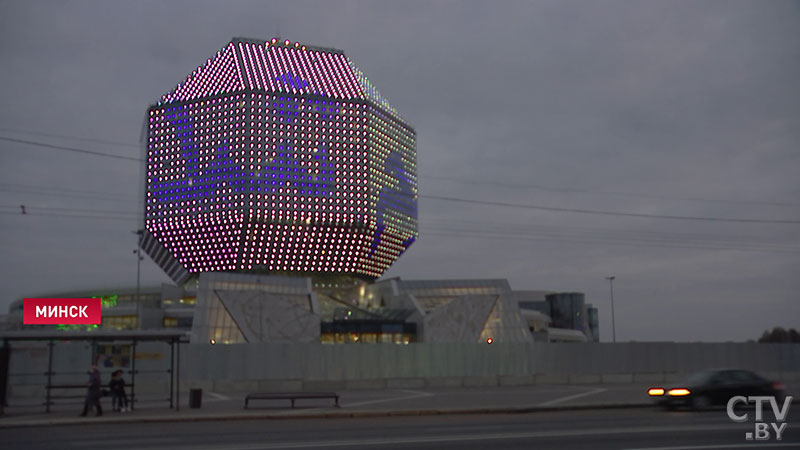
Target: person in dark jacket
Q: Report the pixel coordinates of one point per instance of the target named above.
(93, 394)
(119, 400)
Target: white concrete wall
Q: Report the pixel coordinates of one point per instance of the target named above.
(273, 366)
(370, 362)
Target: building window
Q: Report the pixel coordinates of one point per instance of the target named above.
(366, 338)
(120, 322)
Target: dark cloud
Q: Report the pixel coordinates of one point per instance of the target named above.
(677, 108)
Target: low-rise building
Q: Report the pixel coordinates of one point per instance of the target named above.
(242, 308)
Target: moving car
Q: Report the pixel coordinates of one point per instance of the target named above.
(715, 387)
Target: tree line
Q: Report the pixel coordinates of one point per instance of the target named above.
(779, 334)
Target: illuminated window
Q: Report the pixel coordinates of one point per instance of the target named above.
(120, 322)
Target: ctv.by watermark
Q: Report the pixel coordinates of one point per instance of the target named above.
(762, 430)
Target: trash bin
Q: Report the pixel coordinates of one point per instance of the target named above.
(195, 398)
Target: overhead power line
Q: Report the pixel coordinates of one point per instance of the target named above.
(555, 234)
(606, 233)
(48, 191)
(599, 192)
(69, 149)
(71, 216)
(35, 209)
(596, 241)
(610, 213)
(74, 138)
(426, 176)
(552, 237)
(479, 202)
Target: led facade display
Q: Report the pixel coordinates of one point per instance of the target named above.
(278, 157)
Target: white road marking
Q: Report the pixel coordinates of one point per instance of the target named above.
(217, 397)
(572, 397)
(703, 447)
(413, 394)
(420, 393)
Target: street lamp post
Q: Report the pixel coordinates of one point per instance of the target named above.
(613, 323)
(139, 258)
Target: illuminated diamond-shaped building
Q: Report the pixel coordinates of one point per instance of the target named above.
(276, 157)
(279, 185)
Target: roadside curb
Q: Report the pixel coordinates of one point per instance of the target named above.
(331, 414)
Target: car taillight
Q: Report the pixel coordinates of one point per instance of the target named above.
(654, 392)
(778, 386)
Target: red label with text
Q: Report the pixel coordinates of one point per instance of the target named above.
(61, 311)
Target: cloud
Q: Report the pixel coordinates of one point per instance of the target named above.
(677, 107)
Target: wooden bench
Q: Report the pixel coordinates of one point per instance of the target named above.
(292, 396)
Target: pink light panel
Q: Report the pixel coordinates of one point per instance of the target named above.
(274, 157)
(247, 65)
(218, 75)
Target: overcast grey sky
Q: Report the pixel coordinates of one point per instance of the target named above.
(658, 108)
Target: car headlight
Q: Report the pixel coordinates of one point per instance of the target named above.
(679, 392)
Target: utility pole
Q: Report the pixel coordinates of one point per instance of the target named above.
(613, 324)
(138, 252)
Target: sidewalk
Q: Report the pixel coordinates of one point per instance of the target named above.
(360, 403)
(389, 402)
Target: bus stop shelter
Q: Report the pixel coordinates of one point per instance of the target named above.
(52, 337)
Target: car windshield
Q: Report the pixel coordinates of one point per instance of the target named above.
(743, 375)
(698, 378)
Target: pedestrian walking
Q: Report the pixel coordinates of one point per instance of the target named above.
(93, 393)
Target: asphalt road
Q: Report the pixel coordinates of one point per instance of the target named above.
(638, 428)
